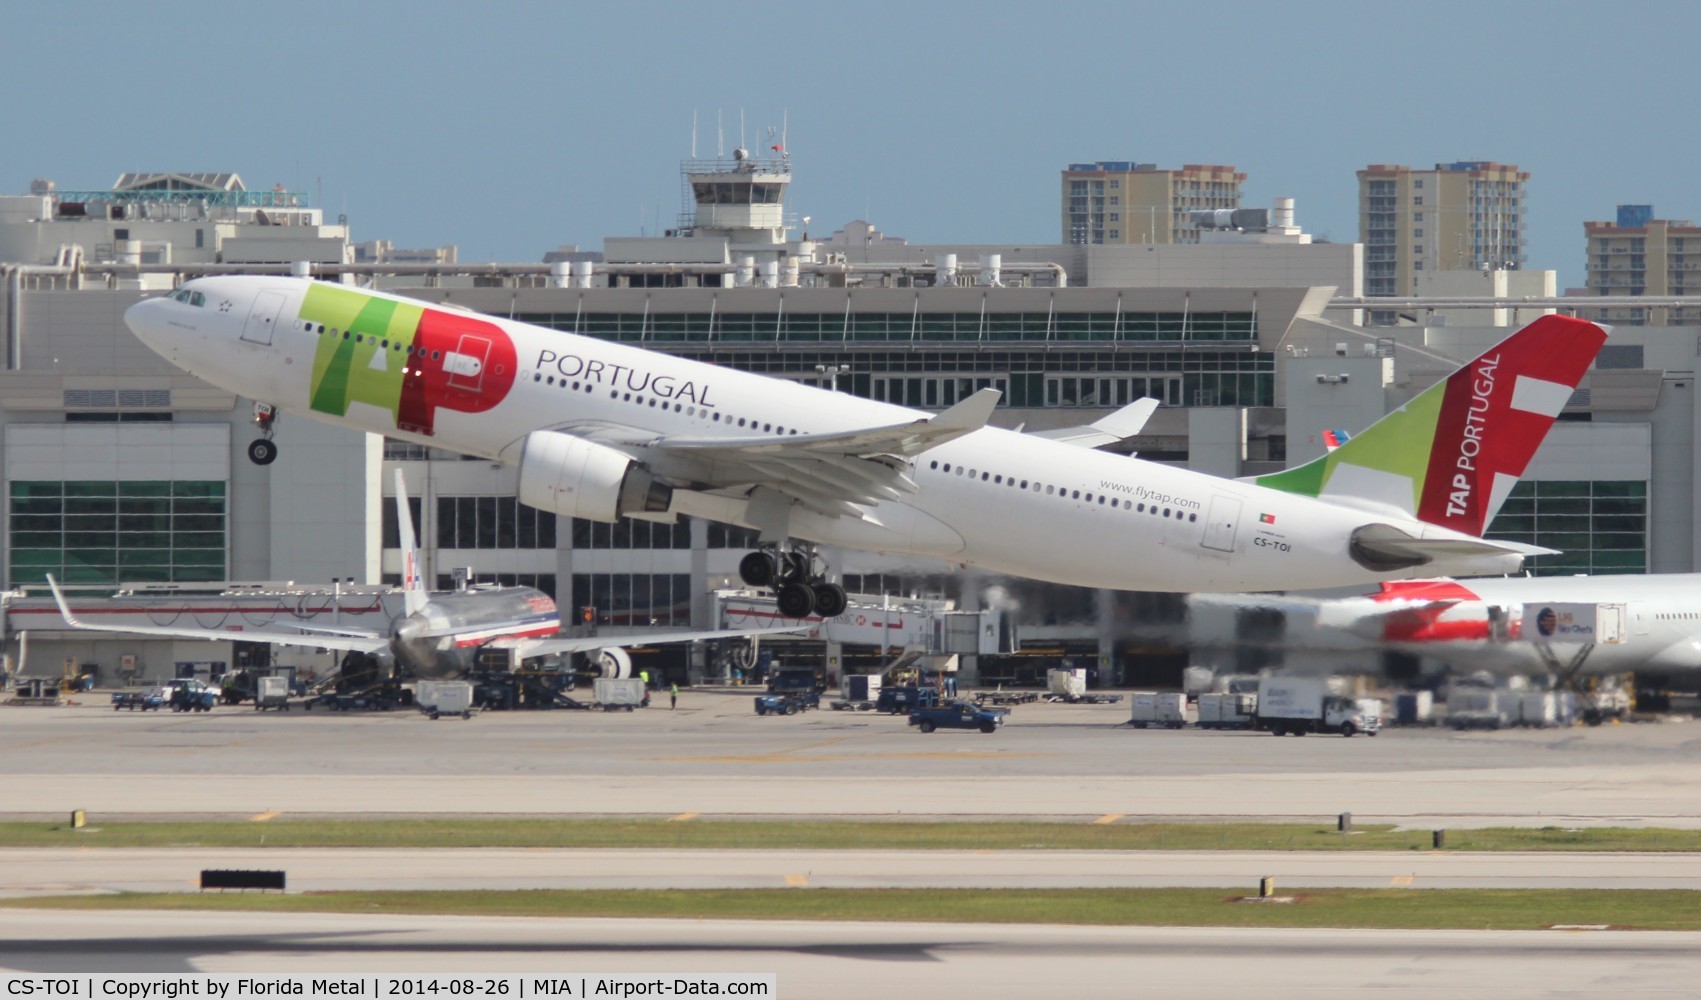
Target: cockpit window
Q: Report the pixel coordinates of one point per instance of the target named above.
(188, 297)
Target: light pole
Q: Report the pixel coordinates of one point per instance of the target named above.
(832, 372)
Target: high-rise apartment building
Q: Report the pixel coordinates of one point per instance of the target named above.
(1119, 201)
(1467, 215)
(1637, 254)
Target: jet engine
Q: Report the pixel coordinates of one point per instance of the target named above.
(570, 475)
(611, 662)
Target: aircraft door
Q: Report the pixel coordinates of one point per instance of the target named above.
(262, 317)
(1220, 523)
(466, 363)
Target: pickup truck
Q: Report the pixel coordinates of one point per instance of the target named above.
(787, 704)
(958, 715)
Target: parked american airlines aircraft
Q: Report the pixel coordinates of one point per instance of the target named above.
(603, 430)
(440, 634)
(1478, 624)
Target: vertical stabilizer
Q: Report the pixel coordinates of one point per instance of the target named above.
(413, 582)
(1451, 455)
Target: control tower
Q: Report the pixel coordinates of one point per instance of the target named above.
(741, 200)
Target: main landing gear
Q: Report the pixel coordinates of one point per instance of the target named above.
(263, 451)
(799, 589)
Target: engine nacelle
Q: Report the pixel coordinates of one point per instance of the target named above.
(611, 661)
(570, 475)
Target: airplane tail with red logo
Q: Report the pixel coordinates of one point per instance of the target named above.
(413, 579)
(1450, 456)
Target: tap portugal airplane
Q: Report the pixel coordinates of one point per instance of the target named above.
(604, 430)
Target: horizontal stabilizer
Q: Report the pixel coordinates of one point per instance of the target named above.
(1384, 548)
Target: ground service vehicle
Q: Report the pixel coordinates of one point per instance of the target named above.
(787, 704)
(191, 694)
(620, 692)
(1224, 710)
(1294, 706)
(786, 680)
(862, 693)
(958, 715)
(1168, 709)
(440, 698)
(898, 700)
(142, 699)
(271, 692)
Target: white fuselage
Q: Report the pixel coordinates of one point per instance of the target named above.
(1010, 502)
(1477, 624)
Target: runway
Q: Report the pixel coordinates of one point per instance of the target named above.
(54, 871)
(853, 961)
(716, 759)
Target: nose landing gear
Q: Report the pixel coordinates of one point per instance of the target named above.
(263, 451)
(800, 590)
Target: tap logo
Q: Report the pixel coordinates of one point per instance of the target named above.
(405, 358)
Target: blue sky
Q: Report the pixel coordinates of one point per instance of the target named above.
(510, 128)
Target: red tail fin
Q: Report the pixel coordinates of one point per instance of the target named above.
(1495, 412)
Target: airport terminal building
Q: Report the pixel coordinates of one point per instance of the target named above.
(121, 470)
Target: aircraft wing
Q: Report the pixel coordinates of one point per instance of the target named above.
(1119, 426)
(834, 473)
(526, 649)
(316, 640)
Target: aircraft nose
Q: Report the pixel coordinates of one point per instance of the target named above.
(145, 322)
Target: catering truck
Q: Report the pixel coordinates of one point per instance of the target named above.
(1294, 706)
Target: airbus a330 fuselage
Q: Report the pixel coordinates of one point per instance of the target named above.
(683, 437)
(1479, 624)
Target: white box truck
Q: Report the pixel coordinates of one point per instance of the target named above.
(1294, 706)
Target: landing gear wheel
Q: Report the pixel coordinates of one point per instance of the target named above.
(830, 600)
(795, 600)
(757, 569)
(795, 567)
(262, 452)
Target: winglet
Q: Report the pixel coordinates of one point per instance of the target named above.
(413, 585)
(59, 598)
(1450, 456)
(1119, 426)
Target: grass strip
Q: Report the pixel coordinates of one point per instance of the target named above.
(827, 835)
(1473, 909)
